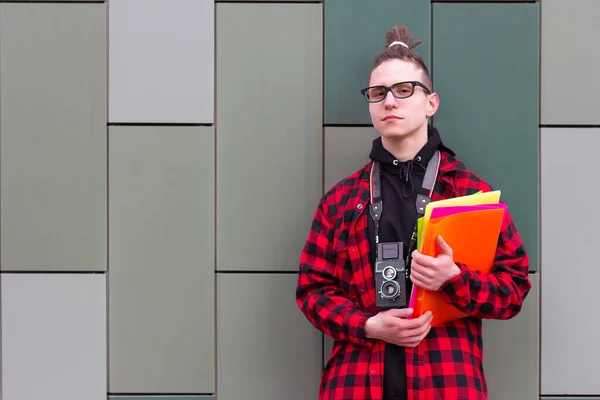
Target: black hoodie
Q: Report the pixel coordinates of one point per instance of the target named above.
(400, 184)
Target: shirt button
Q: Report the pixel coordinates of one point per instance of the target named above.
(359, 206)
(373, 371)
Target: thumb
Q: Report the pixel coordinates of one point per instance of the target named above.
(444, 247)
(400, 312)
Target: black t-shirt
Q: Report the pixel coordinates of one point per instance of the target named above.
(400, 184)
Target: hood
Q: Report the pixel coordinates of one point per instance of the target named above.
(408, 170)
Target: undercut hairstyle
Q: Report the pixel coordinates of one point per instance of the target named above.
(399, 45)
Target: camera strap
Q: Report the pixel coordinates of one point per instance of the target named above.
(421, 202)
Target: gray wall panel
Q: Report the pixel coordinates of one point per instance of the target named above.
(511, 351)
(161, 397)
(53, 337)
(161, 61)
(53, 136)
(346, 151)
(570, 62)
(570, 345)
(161, 297)
(269, 132)
(266, 350)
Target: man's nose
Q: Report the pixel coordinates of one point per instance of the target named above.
(389, 99)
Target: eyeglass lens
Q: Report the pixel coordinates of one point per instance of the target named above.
(400, 90)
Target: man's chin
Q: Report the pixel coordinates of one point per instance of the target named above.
(395, 134)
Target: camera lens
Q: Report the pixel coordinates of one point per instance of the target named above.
(389, 272)
(390, 289)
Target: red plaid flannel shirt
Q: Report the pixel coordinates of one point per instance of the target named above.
(336, 293)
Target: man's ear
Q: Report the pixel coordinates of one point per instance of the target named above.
(433, 102)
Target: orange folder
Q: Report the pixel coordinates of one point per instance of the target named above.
(473, 237)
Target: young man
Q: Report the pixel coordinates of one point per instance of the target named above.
(378, 353)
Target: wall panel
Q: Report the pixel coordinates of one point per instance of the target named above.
(484, 1)
(569, 47)
(512, 351)
(489, 105)
(161, 293)
(267, 1)
(53, 336)
(53, 136)
(346, 150)
(266, 349)
(570, 345)
(269, 132)
(161, 61)
(161, 398)
(354, 33)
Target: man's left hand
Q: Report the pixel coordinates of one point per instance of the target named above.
(431, 273)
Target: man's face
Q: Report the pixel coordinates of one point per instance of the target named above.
(399, 118)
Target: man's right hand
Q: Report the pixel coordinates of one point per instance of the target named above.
(391, 326)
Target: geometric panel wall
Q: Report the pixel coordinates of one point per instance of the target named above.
(161, 276)
(160, 163)
(570, 323)
(354, 32)
(268, 158)
(53, 136)
(161, 61)
(489, 93)
(53, 336)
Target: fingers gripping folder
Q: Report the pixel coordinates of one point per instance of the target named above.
(470, 225)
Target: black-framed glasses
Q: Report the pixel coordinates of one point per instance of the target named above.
(400, 90)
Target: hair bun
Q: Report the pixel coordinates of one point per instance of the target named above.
(400, 36)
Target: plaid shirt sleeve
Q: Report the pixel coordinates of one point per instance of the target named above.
(318, 292)
(499, 294)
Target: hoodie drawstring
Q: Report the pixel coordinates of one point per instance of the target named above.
(405, 173)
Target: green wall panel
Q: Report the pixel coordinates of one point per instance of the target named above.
(485, 69)
(354, 33)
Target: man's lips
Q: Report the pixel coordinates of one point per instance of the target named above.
(390, 117)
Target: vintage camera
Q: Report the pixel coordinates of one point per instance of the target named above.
(390, 276)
